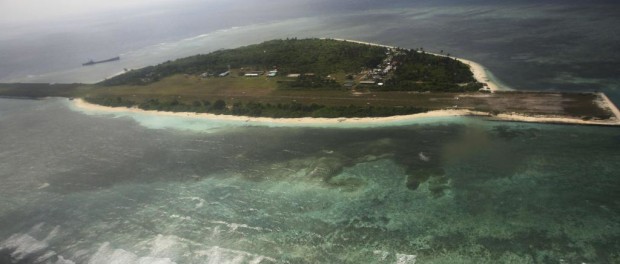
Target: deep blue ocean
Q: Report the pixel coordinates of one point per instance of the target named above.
(528, 45)
(86, 187)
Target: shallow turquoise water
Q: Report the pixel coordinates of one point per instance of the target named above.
(92, 189)
(78, 188)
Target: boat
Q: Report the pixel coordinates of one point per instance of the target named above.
(92, 62)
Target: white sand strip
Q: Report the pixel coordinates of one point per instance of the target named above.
(481, 74)
(610, 105)
(80, 104)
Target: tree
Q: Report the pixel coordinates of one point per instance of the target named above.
(219, 105)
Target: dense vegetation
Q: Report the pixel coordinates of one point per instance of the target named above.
(254, 109)
(415, 71)
(317, 56)
(418, 71)
(310, 82)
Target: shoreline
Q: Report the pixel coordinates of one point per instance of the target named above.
(481, 74)
(81, 105)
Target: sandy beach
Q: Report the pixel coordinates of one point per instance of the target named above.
(554, 120)
(82, 105)
(481, 74)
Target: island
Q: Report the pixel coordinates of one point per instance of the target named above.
(335, 80)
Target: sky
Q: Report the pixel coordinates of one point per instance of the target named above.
(36, 11)
(22, 11)
(41, 10)
(16, 12)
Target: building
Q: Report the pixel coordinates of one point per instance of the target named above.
(272, 73)
(485, 89)
(387, 69)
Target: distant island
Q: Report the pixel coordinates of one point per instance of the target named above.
(327, 78)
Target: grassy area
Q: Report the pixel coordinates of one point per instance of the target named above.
(256, 96)
(190, 88)
(246, 96)
(190, 93)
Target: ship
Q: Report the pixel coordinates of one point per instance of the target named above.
(92, 62)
